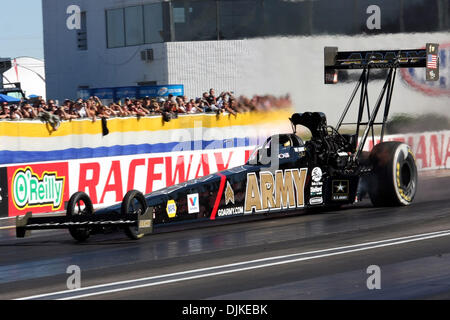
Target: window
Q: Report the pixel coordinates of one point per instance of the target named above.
(115, 28)
(335, 17)
(82, 34)
(287, 17)
(153, 23)
(194, 20)
(197, 20)
(134, 31)
(240, 19)
(423, 16)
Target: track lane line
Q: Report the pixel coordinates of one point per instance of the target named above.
(120, 286)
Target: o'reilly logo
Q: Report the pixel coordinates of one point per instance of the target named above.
(30, 190)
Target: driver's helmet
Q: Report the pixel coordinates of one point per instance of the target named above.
(285, 141)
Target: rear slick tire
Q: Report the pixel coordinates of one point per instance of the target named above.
(393, 181)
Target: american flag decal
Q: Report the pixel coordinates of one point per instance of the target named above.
(432, 61)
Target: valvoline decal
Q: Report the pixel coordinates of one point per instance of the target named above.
(415, 77)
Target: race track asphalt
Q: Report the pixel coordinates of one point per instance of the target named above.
(307, 256)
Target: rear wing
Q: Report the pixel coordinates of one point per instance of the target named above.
(382, 59)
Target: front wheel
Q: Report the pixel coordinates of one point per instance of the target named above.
(134, 202)
(80, 204)
(393, 181)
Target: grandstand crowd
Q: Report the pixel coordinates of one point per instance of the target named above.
(169, 107)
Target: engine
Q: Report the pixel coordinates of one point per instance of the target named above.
(327, 146)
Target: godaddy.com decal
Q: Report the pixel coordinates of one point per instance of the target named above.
(30, 190)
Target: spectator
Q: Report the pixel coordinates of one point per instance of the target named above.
(147, 103)
(51, 106)
(227, 108)
(136, 110)
(141, 109)
(28, 111)
(104, 112)
(209, 103)
(155, 107)
(202, 105)
(205, 98)
(93, 107)
(5, 112)
(14, 113)
(91, 110)
(118, 111)
(212, 97)
(63, 115)
(79, 110)
(181, 109)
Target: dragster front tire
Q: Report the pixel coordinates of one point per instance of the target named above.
(78, 199)
(134, 202)
(393, 181)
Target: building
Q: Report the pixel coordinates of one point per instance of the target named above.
(246, 46)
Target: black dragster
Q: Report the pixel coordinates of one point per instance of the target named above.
(283, 175)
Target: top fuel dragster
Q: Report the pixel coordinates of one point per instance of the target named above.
(284, 174)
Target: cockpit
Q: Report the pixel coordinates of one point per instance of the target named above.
(282, 147)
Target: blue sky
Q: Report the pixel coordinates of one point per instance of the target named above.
(21, 29)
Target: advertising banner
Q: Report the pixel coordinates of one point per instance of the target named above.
(126, 92)
(431, 149)
(161, 91)
(119, 93)
(46, 187)
(37, 188)
(105, 93)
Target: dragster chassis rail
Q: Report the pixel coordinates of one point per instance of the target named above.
(27, 223)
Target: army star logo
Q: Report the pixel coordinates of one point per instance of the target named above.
(340, 188)
(229, 194)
